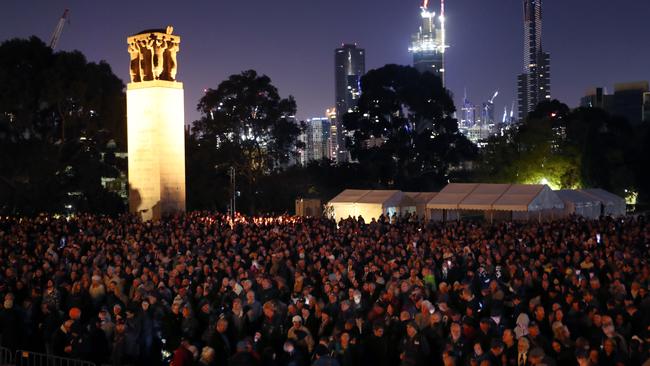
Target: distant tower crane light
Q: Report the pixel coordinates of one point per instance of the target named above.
(59, 29)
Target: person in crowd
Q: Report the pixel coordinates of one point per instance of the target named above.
(220, 342)
(300, 335)
(245, 355)
(415, 348)
(11, 324)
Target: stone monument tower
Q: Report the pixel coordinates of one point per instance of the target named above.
(155, 125)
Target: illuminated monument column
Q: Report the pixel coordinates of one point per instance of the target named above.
(155, 126)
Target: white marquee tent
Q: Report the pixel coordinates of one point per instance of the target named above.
(368, 204)
(579, 203)
(343, 205)
(418, 203)
(483, 197)
(527, 201)
(516, 201)
(612, 205)
(444, 206)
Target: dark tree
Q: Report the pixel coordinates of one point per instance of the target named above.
(585, 147)
(247, 125)
(404, 128)
(641, 162)
(61, 117)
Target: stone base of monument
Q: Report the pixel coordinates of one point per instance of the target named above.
(156, 142)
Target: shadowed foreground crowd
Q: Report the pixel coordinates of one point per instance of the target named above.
(288, 291)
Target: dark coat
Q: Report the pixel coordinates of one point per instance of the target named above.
(375, 351)
(11, 328)
(243, 359)
(60, 340)
(414, 351)
(222, 347)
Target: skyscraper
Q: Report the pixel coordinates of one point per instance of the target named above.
(534, 84)
(316, 140)
(350, 65)
(428, 44)
(468, 113)
(630, 100)
(333, 144)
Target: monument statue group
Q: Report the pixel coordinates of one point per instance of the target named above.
(155, 125)
(153, 55)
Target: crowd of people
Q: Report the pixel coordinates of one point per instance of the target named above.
(198, 289)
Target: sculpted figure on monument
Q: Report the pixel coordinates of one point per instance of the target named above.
(147, 51)
(158, 61)
(153, 55)
(172, 49)
(134, 52)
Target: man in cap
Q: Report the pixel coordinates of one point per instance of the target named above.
(536, 338)
(300, 334)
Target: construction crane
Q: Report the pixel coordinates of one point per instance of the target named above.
(494, 96)
(59, 29)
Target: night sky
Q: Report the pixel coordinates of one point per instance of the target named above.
(592, 42)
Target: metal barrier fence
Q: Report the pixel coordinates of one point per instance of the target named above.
(26, 358)
(6, 357)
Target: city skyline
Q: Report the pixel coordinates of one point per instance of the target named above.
(484, 55)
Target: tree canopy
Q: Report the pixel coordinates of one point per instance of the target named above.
(58, 114)
(244, 124)
(404, 127)
(585, 147)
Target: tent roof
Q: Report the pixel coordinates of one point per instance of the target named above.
(502, 197)
(576, 196)
(604, 196)
(483, 196)
(451, 196)
(379, 196)
(518, 197)
(349, 196)
(365, 196)
(420, 198)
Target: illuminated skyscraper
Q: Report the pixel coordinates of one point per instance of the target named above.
(316, 138)
(350, 65)
(428, 44)
(333, 144)
(468, 113)
(534, 84)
